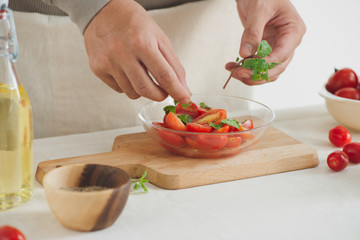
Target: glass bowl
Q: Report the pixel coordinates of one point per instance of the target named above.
(217, 144)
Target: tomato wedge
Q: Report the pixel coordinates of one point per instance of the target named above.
(248, 124)
(191, 109)
(212, 142)
(202, 110)
(197, 127)
(215, 116)
(173, 122)
(223, 129)
(233, 142)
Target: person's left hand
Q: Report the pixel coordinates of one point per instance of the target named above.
(275, 21)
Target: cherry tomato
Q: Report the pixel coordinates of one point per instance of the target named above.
(337, 160)
(173, 122)
(191, 109)
(215, 116)
(248, 124)
(223, 129)
(233, 142)
(339, 136)
(197, 127)
(212, 142)
(202, 110)
(169, 137)
(192, 141)
(348, 92)
(353, 151)
(342, 78)
(11, 233)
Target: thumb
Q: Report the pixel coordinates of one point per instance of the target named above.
(252, 35)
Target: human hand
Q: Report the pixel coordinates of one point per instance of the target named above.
(275, 21)
(125, 47)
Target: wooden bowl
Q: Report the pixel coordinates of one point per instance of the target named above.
(87, 197)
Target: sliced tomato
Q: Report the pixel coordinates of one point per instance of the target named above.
(213, 142)
(191, 109)
(215, 116)
(223, 129)
(197, 127)
(159, 124)
(248, 124)
(164, 118)
(171, 138)
(233, 142)
(192, 141)
(202, 110)
(173, 122)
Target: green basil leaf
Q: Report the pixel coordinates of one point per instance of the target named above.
(169, 108)
(231, 122)
(203, 105)
(216, 126)
(271, 65)
(185, 118)
(264, 49)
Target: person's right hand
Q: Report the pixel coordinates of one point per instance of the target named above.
(130, 53)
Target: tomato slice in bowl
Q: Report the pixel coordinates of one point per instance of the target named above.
(213, 116)
(233, 142)
(191, 109)
(173, 122)
(248, 124)
(213, 142)
(223, 129)
(197, 127)
(169, 137)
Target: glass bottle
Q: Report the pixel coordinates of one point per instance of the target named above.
(16, 130)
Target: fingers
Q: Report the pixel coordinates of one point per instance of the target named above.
(253, 29)
(138, 81)
(165, 75)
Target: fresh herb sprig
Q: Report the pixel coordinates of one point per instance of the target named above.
(140, 182)
(256, 63)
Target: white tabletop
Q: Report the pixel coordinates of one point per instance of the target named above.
(314, 203)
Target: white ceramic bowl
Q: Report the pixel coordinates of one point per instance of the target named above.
(345, 111)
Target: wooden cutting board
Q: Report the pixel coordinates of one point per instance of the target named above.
(276, 152)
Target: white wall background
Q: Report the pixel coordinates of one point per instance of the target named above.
(332, 40)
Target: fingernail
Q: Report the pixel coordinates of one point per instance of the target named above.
(184, 101)
(248, 49)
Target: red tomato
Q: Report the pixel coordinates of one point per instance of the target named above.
(192, 141)
(342, 78)
(248, 124)
(196, 127)
(171, 138)
(233, 142)
(353, 151)
(173, 122)
(11, 233)
(215, 116)
(337, 160)
(191, 109)
(339, 136)
(348, 92)
(223, 129)
(202, 110)
(213, 142)
(159, 124)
